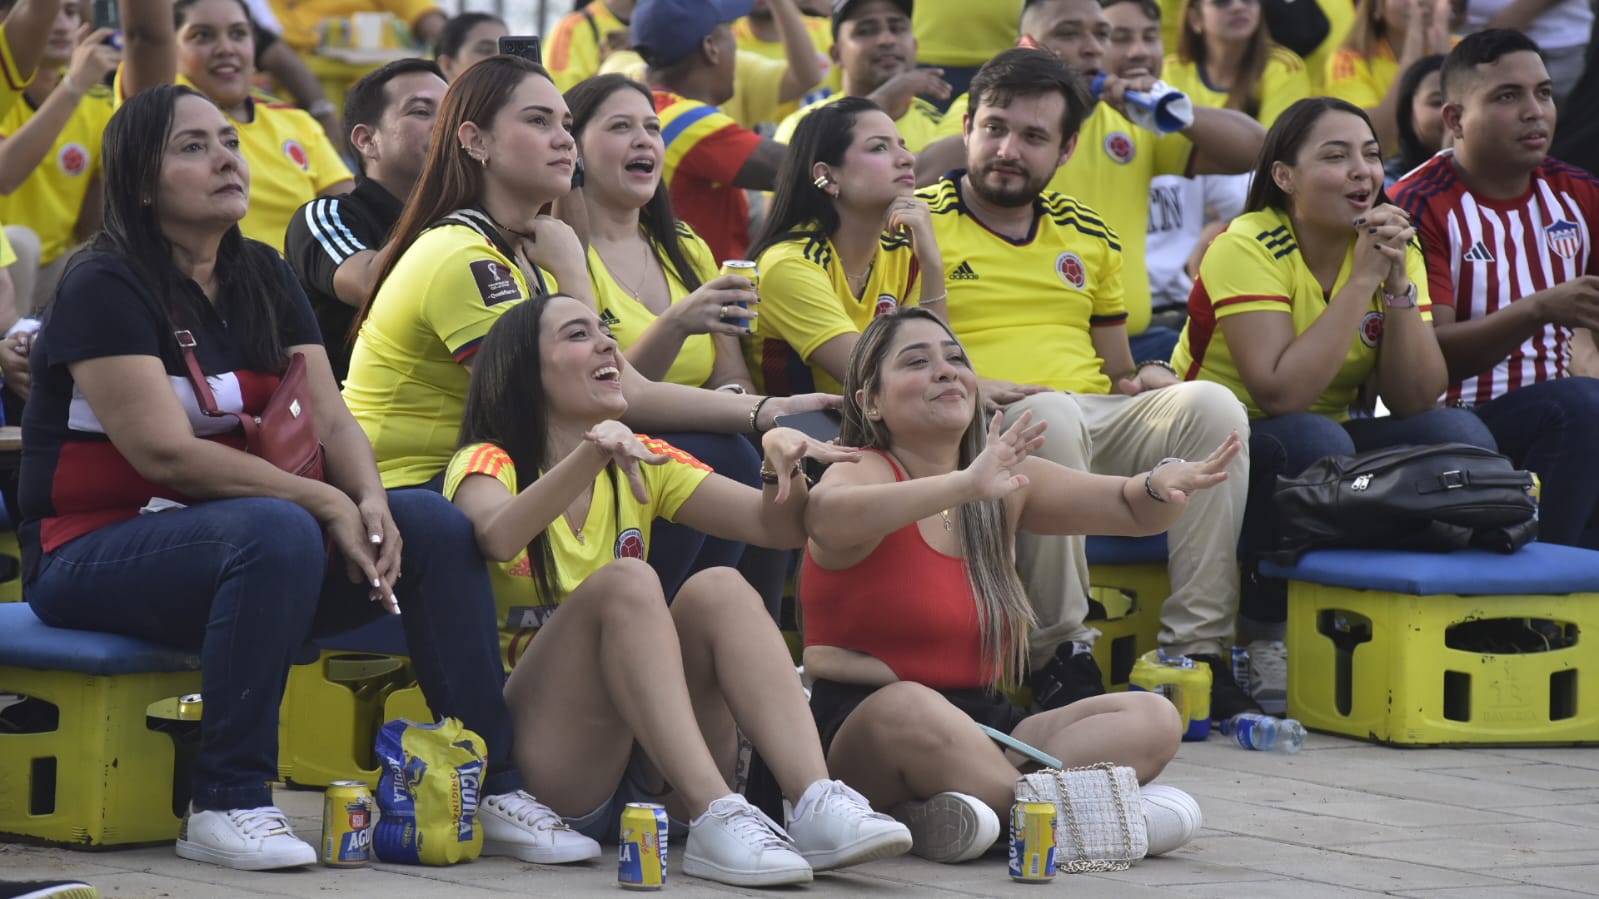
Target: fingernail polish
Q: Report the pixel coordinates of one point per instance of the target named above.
(376, 582)
(377, 538)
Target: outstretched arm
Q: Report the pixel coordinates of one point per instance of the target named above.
(150, 45)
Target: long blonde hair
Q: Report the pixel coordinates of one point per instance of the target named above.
(1004, 615)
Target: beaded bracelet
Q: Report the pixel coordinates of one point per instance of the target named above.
(1149, 479)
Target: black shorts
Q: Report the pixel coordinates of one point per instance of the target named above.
(832, 702)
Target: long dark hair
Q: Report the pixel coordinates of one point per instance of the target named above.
(1283, 143)
(1411, 150)
(248, 276)
(656, 218)
(452, 37)
(1244, 95)
(1004, 615)
(505, 406)
(450, 179)
(799, 207)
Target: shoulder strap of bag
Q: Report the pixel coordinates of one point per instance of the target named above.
(202, 388)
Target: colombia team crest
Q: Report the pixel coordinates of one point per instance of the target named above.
(886, 303)
(73, 159)
(630, 544)
(1070, 268)
(1371, 329)
(1119, 146)
(296, 154)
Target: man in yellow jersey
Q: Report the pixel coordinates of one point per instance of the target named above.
(710, 159)
(761, 33)
(1035, 294)
(957, 36)
(1117, 160)
(582, 40)
(876, 50)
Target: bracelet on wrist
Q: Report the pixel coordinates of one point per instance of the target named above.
(733, 388)
(1406, 300)
(1158, 363)
(938, 299)
(320, 108)
(1149, 479)
(769, 476)
(755, 415)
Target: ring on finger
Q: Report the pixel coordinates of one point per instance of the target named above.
(723, 315)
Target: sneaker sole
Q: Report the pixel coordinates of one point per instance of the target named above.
(697, 867)
(80, 891)
(868, 848)
(542, 856)
(242, 861)
(949, 830)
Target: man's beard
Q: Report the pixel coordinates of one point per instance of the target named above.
(1007, 197)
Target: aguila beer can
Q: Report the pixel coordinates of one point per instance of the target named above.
(641, 851)
(1032, 842)
(347, 825)
(744, 268)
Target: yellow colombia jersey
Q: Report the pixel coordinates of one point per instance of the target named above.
(1025, 309)
(821, 33)
(617, 527)
(1284, 83)
(1362, 81)
(964, 33)
(1110, 172)
(407, 384)
(921, 124)
(757, 85)
(1256, 266)
(806, 301)
(300, 18)
(51, 199)
(291, 162)
(574, 49)
(628, 318)
(12, 82)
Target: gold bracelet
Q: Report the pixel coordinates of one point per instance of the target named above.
(755, 414)
(768, 476)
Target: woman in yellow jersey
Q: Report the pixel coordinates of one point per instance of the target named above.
(845, 240)
(1318, 290)
(1226, 59)
(210, 46)
(1388, 37)
(468, 38)
(617, 697)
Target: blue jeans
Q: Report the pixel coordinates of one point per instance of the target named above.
(245, 582)
(1288, 444)
(677, 551)
(1154, 343)
(1552, 428)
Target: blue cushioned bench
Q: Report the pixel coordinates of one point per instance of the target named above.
(1387, 646)
(86, 770)
(1128, 577)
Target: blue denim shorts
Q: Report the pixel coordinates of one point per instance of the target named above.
(604, 823)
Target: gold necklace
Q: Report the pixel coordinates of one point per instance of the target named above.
(857, 283)
(947, 525)
(643, 276)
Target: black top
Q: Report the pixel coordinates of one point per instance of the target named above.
(323, 234)
(74, 479)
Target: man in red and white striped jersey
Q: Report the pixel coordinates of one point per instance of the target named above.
(1512, 271)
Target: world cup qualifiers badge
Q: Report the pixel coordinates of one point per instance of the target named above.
(495, 283)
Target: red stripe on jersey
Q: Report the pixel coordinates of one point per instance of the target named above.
(671, 452)
(1201, 327)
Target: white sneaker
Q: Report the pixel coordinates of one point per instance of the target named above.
(735, 843)
(836, 827)
(1268, 674)
(519, 826)
(1171, 816)
(253, 839)
(950, 827)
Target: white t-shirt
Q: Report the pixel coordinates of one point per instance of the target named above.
(1567, 23)
(1178, 209)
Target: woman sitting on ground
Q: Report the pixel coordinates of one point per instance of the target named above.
(562, 495)
(230, 558)
(913, 610)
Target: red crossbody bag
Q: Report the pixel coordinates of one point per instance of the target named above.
(285, 432)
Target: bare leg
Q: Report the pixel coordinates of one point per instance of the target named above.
(605, 670)
(738, 669)
(907, 742)
(1139, 730)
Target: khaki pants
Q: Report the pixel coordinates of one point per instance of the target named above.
(35, 283)
(1122, 435)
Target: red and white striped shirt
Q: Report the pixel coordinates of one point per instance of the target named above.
(1484, 254)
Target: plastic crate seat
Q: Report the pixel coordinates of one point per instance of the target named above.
(1128, 577)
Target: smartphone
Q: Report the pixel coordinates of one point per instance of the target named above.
(1032, 752)
(822, 424)
(523, 45)
(107, 14)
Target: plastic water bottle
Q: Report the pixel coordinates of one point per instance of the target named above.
(1162, 109)
(1253, 730)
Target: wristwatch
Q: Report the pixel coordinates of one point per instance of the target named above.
(1406, 300)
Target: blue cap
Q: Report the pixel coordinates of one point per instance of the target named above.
(665, 31)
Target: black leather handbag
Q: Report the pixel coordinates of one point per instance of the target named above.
(1433, 498)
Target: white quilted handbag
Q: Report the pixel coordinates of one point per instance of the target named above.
(1099, 817)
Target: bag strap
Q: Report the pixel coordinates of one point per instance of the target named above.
(1464, 477)
(202, 387)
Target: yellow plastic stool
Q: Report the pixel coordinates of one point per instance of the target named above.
(86, 771)
(332, 710)
(1129, 579)
(1378, 664)
(11, 590)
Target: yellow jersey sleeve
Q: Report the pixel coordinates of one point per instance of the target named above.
(480, 458)
(1241, 273)
(575, 48)
(1285, 82)
(799, 302)
(671, 484)
(8, 256)
(786, 128)
(953, 122)
(1353, 78)
(757, 89)
(961, 33)
(12, 81)
(327, 166)
(461, 291)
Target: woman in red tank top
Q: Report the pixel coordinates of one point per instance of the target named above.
(913, 609)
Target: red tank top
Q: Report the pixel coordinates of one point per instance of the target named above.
(906, 604)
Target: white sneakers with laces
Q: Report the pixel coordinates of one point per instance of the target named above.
(735, 843)
(834, 826)
(949, 827)
(1171, 816)
(255, 839)
(519, 826)
(1268, 675)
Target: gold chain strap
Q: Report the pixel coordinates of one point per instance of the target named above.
(1082, 864)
